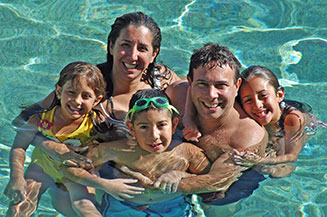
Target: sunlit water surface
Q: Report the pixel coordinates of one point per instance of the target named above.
(38, 38)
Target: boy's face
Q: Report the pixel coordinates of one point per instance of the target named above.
(153, 129)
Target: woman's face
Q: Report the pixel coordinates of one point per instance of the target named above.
(132, 52)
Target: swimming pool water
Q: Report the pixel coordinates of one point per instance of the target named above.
(38, 38)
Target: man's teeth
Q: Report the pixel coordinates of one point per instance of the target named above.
(211, 105)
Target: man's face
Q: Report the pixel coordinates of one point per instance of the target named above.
(213, 91)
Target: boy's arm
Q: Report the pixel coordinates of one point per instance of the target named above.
(118, 188)
(15, 189)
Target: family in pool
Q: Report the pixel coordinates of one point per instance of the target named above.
(107, 143)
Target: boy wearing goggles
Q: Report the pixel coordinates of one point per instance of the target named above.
(159, 161)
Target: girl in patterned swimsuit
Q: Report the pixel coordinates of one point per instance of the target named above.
(69, 120)
(289, 125)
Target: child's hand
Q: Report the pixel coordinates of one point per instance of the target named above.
(120, 188)
(168, 182)
(191, 134)
(246, 158)
(16, 189)
(190, 131)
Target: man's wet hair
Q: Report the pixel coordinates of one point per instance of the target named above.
(214, 55)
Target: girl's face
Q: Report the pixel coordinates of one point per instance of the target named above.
(76, 99)
(260, 100)
(153, 129)
(133, 51)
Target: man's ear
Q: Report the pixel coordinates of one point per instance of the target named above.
(238, 84)
(189, 80)
(58, 91)
(175, 124)
(280, 94)
(131, 127)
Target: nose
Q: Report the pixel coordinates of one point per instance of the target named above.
(78, 99)
(213, 93)
(155, 135)
(257, 103)
(134, 53)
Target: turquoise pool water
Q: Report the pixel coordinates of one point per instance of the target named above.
(37, 38)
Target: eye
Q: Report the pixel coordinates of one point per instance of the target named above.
(143, 127)
(162, 124)
(220, 86)
(70, 93)
(202, 84)
(126, 45)
(143, 48)
(247, 101)
(86, 96)
(263, 95)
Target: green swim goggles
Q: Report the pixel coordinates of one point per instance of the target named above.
(158, 102)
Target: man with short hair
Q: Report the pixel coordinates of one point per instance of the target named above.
(213, 82)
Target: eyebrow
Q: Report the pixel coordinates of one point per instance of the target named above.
(129, 41)
(216, 82)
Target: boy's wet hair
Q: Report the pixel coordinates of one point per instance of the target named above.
(147, 93)
(214, 55)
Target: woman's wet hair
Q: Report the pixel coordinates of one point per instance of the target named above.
(75, 71)
(214, 55)
(147, 93)
(136, 19)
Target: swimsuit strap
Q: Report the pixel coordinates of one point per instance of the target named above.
(110, 107)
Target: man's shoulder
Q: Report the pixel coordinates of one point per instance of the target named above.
(177, 93)
(248, 132)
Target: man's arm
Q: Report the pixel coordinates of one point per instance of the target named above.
(223, 173)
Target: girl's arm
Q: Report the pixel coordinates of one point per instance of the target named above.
(15, 189)
(108, 151)
(60, 152)
(190, 131)
(293, 141)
